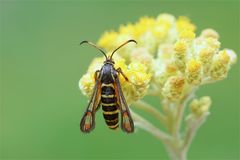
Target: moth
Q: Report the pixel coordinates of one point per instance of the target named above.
(108, 93)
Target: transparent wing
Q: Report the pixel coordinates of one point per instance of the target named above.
(87, 123)
(127, 124)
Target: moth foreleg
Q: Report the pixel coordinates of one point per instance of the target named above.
(119, 70)
(96, 75)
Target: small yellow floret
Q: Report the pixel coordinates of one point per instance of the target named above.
(126, 29)
(183, 23)
(86, 84)
(173, 88)
(220, 65)
(224, 57)
(209, 33)
(187, 34)
(213, 43)
(180, 47)
(107, 39)
(206, 55)
(193, 72)
(193, 66)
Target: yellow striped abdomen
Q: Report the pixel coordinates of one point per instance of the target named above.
(109, 105)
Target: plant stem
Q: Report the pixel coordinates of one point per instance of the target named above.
(147, 126)
(176, 145)
(151, 110)
(176, 154)
(180, 113)
(191, 130)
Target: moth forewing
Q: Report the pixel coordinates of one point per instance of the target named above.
(87, 123)
(127, 124)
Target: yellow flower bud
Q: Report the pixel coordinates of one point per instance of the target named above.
(220, 65)
(166, 19)
(193, 72)
(171, 68)
(201, 106)
(126, 51)
(126, 29)
(162, 71)
(213, 43)
(163, 24)
(142, 55)
(142, 26)
(138, 83)
(120, 63)
(107, 39)
(206, 55)
(187, 34)
(165, 52)
(183, 23)
(232, 55)
(224, 57)
(209, 33)
(86, 84)
(180, 48)
(173, 88)
(148, 41)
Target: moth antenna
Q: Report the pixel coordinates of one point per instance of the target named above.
(131, 40)
(92, 44)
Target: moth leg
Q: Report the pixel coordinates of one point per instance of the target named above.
(119, 70)
(96, 75)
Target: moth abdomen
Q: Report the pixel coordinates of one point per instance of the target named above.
(109, 106)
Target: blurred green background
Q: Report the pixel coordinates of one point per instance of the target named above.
(41, 63)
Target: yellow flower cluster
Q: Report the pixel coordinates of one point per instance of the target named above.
(169, 50)
(148, 32)
(197, 59)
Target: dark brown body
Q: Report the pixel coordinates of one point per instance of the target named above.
(108, 96)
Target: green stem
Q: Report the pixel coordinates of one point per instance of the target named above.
(149, 127)
(154, 91)
(180, 113)
(177, 146)
(193, 126)
(151, 110)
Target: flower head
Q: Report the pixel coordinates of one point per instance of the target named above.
(170, 57)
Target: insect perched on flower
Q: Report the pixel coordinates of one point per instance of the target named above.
(169, 63)
(108, 94)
